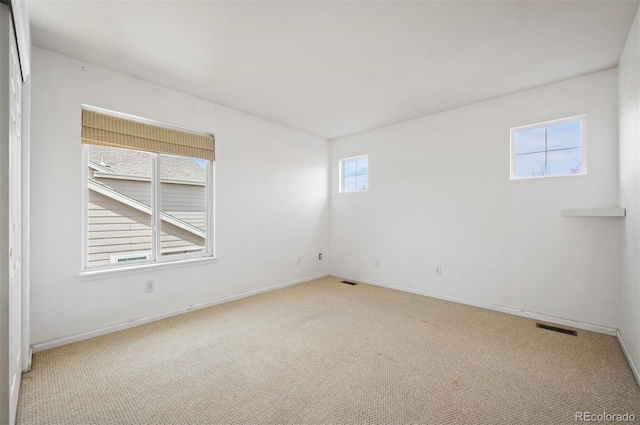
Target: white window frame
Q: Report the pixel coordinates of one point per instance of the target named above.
(583, 145)
(155, 256)
(341, 174)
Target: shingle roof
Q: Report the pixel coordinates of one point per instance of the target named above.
(136, 163)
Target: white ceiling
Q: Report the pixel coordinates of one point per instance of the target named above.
(334, 68)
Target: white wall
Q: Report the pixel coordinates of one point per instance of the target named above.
(440, 194)
(271, 202)
(629, 110)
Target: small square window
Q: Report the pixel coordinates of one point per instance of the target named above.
(354, 174)
(548, 149)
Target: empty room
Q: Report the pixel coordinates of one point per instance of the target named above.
(319, 212)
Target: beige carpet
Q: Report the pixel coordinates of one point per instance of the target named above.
(329, 353)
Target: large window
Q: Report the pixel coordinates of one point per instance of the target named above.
(149, 191)
(553, 148)
(354, 174)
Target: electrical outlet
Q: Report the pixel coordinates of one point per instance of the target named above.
(438, 270)
(320, 256)
(149, 286)
(377, 262)
(299, 260)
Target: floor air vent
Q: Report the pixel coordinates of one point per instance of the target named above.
(557, 329)
(349, 283)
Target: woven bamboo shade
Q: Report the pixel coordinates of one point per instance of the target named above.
(105, 130)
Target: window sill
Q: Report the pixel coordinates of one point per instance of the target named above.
(548, 177)
(142, 268)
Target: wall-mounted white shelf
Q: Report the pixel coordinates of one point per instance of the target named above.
(594, 212)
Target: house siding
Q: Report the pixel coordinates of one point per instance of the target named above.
(182, 198)
(115, 228)
(173, 197)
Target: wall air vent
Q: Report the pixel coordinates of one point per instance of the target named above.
(557, 329)
(349, 283)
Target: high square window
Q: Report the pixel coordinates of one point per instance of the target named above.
(354, 174)
(549, 149)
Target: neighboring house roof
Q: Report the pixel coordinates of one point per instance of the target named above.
(194, 218)
(107, 191)
(138, 164)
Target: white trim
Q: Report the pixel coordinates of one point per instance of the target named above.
(5, 320)
(627, 354)
(84, 199)
(26, 223)
(156, 218)
(14, 301)
(583, 146)
(58, 342)
(210, 240)
(528, 314)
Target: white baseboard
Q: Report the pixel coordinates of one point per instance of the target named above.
(501, 309)
(58, 342)
(627, 354)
